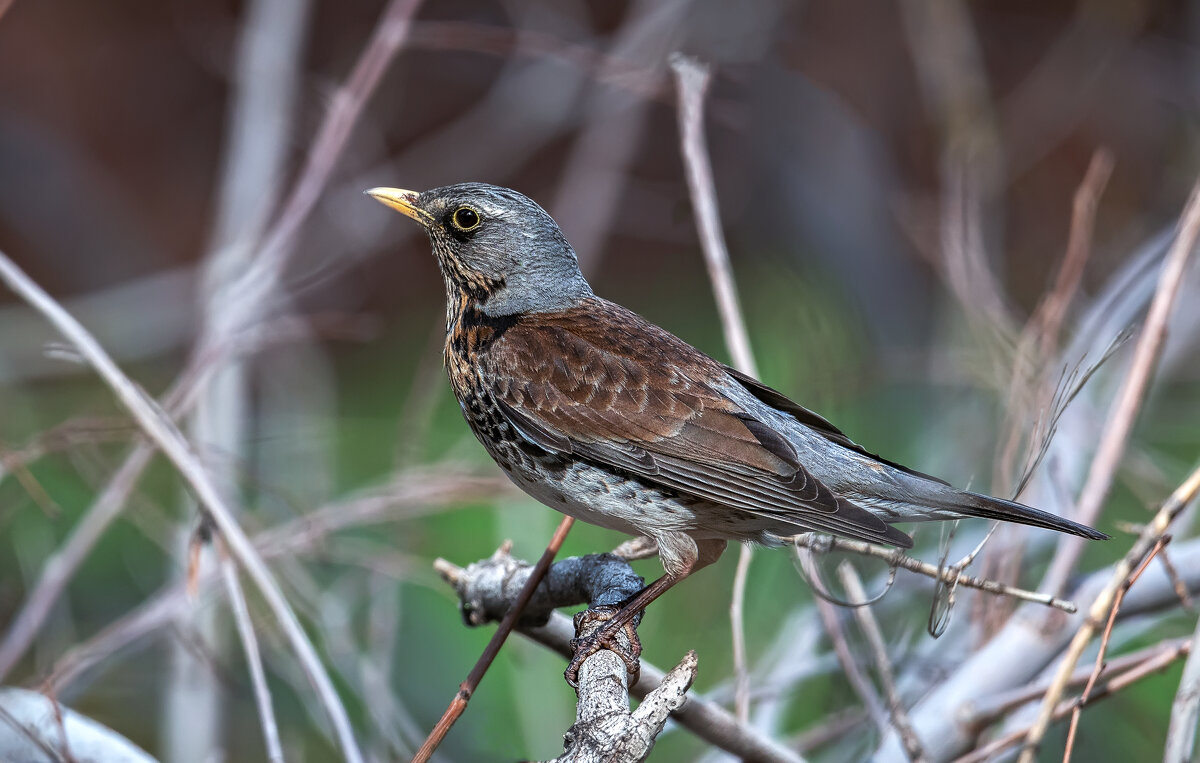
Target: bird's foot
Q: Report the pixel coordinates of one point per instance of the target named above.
(607, 635)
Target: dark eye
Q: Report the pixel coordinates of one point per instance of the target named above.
(465, 219)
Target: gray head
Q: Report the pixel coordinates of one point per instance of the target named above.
(495, 246)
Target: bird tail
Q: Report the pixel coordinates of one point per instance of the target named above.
(976, 505)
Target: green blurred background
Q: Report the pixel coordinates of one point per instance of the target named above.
(836, 129)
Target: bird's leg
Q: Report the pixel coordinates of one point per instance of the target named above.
(681, 557)
(615, 618)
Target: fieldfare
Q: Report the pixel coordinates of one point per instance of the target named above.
(600, 414)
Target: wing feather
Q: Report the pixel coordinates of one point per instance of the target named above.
(604, 384)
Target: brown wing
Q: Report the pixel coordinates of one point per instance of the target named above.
(605, 384)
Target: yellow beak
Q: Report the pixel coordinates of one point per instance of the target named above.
(402, 201)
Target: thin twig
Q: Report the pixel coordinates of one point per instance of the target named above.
(951, 575)
(245, 627)
(1103, 650)
(1098, 612)
(887, 677)
(692, 80)
(1125, 409)
(163, 431)
(467, 687)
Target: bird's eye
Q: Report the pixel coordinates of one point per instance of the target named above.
(465, 219)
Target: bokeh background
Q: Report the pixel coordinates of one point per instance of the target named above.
(844, 136)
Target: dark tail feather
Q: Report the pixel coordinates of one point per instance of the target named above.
(976, 505)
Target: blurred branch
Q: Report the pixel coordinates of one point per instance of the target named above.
(163, 431)
(692, 79)
(859, 684)
(250, 294)
(887, 676)
(953, 83)
(37, 728)
(1185, 710)
(1039, 339)
(408, 495)
(245, 627)
(596, 167)
(1105, 600)
(1128, 403)
(1021, 651)
(60, 567)
(267, 69)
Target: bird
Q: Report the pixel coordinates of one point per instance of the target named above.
(600, 414)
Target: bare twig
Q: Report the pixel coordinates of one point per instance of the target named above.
(1100, 653)
(887, 677)
(262, 694)
(467, 687)
(1129, 400)
(163, 431)
(692, 79)
(951, 575)
(1098, 612)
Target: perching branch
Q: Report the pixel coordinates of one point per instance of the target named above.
(486, 589)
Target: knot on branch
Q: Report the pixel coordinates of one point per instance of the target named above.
(487, 588)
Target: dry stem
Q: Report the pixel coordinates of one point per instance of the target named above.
(692, 79)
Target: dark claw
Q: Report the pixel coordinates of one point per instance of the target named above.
(603, 637)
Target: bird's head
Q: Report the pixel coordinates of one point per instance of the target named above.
(494, 246)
